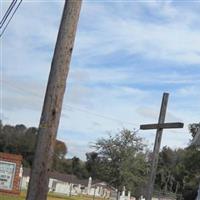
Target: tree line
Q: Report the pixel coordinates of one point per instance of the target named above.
(120, 160)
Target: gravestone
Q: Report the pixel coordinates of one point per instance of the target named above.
(10, 173)
(89, 185)
(129, 195)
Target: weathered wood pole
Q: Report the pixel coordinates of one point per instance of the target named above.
(159, 126)
(157, 144)
(38, 185)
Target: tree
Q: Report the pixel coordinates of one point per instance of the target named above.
(60, 150)
(21, 140)
(121, 161)
(179, 172)
(92, 164)
(1, 126)
(167, 162)
(192, 173)
(79, 168)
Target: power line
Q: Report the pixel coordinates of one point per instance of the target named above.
(74, 107)
(100, 115)
(84, 110)
(7, 13)
(10, 19)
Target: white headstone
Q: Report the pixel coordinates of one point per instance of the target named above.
(124, 191)
(142, 198)
(21, 172)
(89, 185)
(129, 195)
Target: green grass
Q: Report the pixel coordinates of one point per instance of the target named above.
(50, 197)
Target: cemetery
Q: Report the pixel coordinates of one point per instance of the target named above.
(15, 180)
(122, 166)
(70, 185)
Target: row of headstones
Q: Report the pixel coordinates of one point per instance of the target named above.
(69, 189)
(124, 197)
(97, 190)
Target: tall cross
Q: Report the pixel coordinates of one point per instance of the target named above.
(159, 126)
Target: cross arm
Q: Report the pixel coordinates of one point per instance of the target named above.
(161, 126)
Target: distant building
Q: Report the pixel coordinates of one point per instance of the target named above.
(70, 185)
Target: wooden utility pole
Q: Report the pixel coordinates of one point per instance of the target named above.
(160, 126)
(38, 185)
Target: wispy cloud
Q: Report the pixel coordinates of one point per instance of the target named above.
(126, 54)
(173, 38)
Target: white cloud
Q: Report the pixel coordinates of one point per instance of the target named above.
(175, 39)
(102, 96)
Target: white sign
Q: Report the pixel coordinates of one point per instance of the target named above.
(7, 174)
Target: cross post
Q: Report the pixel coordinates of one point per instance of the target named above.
(160, 126)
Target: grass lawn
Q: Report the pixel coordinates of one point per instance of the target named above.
(50, 197)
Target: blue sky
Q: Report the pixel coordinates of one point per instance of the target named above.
(127, 53)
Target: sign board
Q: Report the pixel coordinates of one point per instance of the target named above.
(7, 173)
(10, 173)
